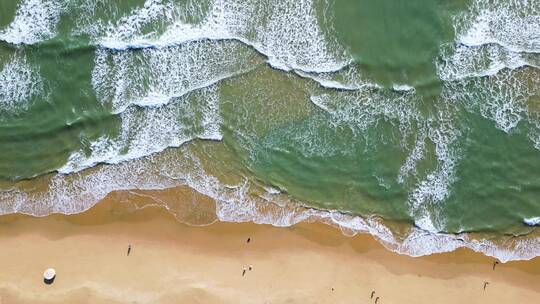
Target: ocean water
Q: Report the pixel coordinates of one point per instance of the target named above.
(416, 121)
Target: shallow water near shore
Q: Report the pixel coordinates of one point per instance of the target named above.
(171, 262)
(350, 112)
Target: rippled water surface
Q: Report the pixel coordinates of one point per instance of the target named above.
(419, 112)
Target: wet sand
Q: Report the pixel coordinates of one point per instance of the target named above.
(171, 262)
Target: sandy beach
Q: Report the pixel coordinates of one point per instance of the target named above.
(171, 262)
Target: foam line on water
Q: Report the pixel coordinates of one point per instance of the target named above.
(154, 77)
(349, 78)
(492, 36)
(291, 40)
(358, 111)
(402, 87)
(459, 62)
(416, 154)
(305, 49)
(433, 190)
(144, 132)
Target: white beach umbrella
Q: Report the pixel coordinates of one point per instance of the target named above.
(49, 274)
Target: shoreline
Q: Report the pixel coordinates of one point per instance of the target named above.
(197, 206)
(171, 262)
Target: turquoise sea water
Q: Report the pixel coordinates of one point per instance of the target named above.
(420, 112)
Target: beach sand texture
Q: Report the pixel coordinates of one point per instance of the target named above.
(171, 262)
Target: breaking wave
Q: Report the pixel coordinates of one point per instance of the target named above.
(158, 70)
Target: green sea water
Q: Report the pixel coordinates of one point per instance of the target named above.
(422, 112)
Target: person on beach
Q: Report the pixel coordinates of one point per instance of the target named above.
(129, 249)
(376, 300)
(372, 294)
(248, 240)
(244, 272)
(485, 284)
(495, 264)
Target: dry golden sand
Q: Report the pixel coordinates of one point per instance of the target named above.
(174, 263)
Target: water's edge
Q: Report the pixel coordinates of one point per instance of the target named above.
(415, 243)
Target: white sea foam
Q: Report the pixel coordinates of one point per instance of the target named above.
(291, 39)
(77, 192)
(34, 21)
(534, 134)
(346, 109)
(143, 132)
(154, 77)
(533, 221)
(19, 83)
(495, 39)
(486, 60)
(172, 76)
(132, 25)
(402, 87)
(349, 78)
(429, 192)
(357, 110)
(364, 107)
(328, 82)
(503, 98)
(416, 154)
(492, 36)
(515, 25)
(491, 68)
